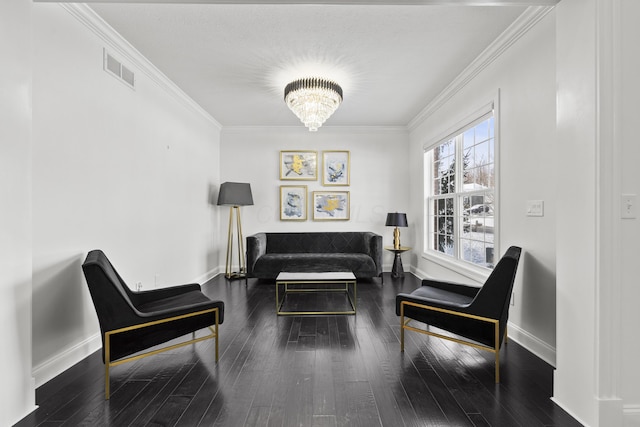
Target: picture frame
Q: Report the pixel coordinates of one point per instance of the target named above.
(293, 203)
(336, 167)
(298, 165)
(331, 205)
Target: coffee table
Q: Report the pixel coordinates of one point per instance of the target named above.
(320, 282)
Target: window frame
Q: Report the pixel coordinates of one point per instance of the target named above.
(457, 263)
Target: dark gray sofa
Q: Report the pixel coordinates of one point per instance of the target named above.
(270, 253)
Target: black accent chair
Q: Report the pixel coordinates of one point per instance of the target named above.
(477, 314)
(131, 322)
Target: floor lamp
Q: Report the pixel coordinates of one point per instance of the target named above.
(234, 195)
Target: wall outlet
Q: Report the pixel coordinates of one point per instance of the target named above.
(513, 299)
(628, 207)
(138, 286)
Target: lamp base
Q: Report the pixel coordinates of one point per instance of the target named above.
(235, 275)
(228, 273)
(396, 238)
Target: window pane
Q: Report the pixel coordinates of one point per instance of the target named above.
(482, 131)
(482, 153)
(468, 208)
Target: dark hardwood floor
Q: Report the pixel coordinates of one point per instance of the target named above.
(308, 371)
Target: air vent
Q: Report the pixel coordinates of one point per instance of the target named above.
(114, 67)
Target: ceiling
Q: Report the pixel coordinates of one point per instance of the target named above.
(235, 59)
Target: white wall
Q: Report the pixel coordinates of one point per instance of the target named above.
(524, 75)
(126, 171)
(379, 177)
(17, 394)
(630, 184)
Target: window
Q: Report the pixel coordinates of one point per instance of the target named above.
(460, 194)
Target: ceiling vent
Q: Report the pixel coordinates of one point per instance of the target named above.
(114, 67)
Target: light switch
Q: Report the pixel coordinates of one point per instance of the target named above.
(628, 208)
(535, 207)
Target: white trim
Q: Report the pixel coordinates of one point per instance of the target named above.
(344, 2)
(631, 415)
(325, 129)
(520, 26)
(472, 118)
(608, 233)
(468, 270)
(28, 411)
(203, 278)
(56, 365)
(532, 343)
(568, 411)
(85, 15)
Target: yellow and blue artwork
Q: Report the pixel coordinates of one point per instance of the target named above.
(298, 165)
(331, 205)
(293, 202)
(335, 169)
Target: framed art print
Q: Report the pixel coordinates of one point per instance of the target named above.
(298, 165)
(293, 203)
(330, 205)
(335, 167)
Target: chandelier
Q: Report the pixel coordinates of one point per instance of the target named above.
(313, 100)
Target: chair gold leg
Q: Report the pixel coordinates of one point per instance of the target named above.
(402, 327)
(216, 338)
(497, 351)
(106, 382)
(107, 362)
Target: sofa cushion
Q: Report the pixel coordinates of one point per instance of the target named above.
(269, 265)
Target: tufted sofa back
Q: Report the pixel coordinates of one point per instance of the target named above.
(328, 242)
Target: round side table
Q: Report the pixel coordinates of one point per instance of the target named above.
(397, 271)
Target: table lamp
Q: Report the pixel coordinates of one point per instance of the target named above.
(235, 194)
(396, 220)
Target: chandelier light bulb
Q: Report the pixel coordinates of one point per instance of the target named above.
(313, 100)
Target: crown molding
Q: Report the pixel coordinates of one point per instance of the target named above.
(339, 2)
(324, 129)
(90, 19)
(529, 18)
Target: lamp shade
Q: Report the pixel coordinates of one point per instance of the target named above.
(396, 219)
(235, 194)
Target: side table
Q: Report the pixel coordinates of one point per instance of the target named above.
(397, 271)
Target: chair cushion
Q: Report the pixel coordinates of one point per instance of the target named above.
(183, 301)
(442, 296)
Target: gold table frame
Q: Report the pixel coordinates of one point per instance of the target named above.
(323, 278)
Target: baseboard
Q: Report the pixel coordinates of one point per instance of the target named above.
(208, 275)
(568, 411)
(535, 345)
(631, 415)
(56, 365)
(29, 411)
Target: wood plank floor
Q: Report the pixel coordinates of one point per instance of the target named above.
(308, 371)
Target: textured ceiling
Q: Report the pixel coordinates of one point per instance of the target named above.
(235, 59)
